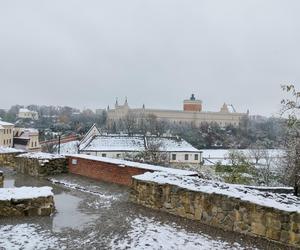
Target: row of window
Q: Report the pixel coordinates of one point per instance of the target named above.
(7, 142)
(118, 155)
(186, 157)
(7, 131)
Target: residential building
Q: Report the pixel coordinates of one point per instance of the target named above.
(25, 113)
(6, 134)
(177, 150)
(192, 114)
(26, 139)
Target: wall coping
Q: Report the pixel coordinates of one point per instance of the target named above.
(286, 202)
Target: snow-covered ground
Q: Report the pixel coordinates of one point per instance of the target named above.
(27, 236)
(148, 234)
(214, 156)
(96, 215)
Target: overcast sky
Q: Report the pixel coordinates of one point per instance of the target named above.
(155, 52)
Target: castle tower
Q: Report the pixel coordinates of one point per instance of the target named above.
(192, 104)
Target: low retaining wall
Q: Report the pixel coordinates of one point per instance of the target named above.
(41, 164)
(1, 179)
(113, 170)
(221, 210)
(8, 159)
(26, 201)
(103, 171)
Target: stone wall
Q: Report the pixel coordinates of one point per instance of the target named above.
(221, 211)
(8, 159)
(40, 168)
(1, 179)
(41, 206)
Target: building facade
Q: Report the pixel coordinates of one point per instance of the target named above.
(28, 114)
(176, 150)
(27, 139)
(6, 134)
(192, 114)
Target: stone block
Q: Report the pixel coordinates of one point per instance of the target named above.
(258, 229)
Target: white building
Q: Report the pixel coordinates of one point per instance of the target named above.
(191, 114)
(28, 114)
(6, 134)
(27, 139)
(178, 151)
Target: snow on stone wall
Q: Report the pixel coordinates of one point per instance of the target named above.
(229, 207)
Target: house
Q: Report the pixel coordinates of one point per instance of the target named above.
(177, 150)
(26, 139)
(28, 114)
(6, 134)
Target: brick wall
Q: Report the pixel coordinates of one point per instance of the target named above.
(104, 171)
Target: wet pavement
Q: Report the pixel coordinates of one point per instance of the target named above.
(97, 215)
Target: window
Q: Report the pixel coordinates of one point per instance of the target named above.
(74, 161)
(173, 157)
(196, 157)
(186, 157)
(103, 155)
(118, 155)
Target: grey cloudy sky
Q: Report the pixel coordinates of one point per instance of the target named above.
(157, 52)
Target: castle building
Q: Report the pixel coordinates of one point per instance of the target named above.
(192, 114)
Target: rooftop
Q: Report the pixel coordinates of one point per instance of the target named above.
(136, 143)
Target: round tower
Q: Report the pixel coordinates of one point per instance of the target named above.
(192, 104)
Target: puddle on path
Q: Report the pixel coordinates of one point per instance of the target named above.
(68, 214)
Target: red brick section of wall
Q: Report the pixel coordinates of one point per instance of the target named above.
(104, 171)
(192, 107)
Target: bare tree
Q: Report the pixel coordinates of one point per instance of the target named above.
(291, 159)
(154, 153)
(130, 123)
(266, 166)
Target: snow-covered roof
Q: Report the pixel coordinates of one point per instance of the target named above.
(2, 124)
(172, 144)
(115, 143)
(7, 150)
(123, 163)
(68, 147)
(285, 202)
(136, 143)
(22, 193)
(25, 110)
(40, 156)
